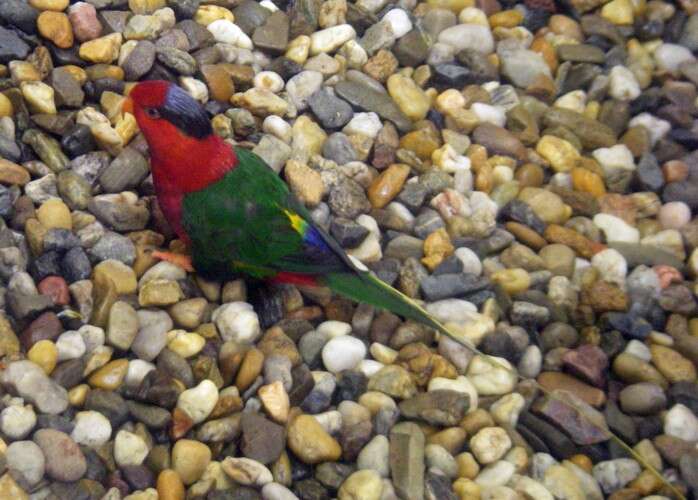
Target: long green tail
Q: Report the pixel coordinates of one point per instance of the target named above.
(367, 288)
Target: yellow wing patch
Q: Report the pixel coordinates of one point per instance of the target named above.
(297, 222)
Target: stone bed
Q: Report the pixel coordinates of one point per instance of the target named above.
(527, 169)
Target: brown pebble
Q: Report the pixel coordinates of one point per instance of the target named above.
(675, 171)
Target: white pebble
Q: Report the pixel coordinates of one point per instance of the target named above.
(494, 477)
(656, 127)
(237, 321)
(129, 449)
(276, 491)
(489, 114)
(225, 31)
(468, 36)
(471, 262)
(17, 421)
(333, 328)
(674, 215)
(70, 345)
(399, 22)
(195, 88)
(368, 124)
(639, 350)
(623, 85)
(269, 5)
(491, 376)
(198, 402)
(137, 370)
(370, 249)
(615, 157)
(91, 429)
(575, 101)
(616, 229)
(611, 266)
(490, 444)
(670, 56)
(680, 422)
(343, 353)
(331, 39)
(278, 127)
(452, 310)
(369, 367)
(269, 80)
(301, 86)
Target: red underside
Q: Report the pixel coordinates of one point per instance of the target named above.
(295, 279)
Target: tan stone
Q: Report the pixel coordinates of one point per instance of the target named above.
(388, 185)
(56, 27)
(310, 442)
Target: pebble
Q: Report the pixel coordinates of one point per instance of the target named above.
(198, 402)
(64, 461)
(309, 441)
(91, 429)
(343, 352)
(680, 422)
(237, 321)
(361, 484)
(190, 460)
(25, 460)
(17, 421)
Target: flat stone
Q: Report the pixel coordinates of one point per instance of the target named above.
(407, 460)
(369, 99)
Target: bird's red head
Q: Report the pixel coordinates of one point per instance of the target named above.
(183, 147)
(166, 112)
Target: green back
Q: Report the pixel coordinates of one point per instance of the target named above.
(250, 222)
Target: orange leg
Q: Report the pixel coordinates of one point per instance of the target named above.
(178, 259)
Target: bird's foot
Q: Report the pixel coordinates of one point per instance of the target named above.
(178, 259)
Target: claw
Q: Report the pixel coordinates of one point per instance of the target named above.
(178, 259)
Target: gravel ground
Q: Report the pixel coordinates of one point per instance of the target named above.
(527, 169)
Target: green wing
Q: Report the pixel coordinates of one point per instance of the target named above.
(250, 222)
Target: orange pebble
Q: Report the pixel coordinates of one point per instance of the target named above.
(588, 182)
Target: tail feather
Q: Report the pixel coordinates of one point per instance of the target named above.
(364, 287)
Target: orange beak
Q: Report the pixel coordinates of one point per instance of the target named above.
(127, 106)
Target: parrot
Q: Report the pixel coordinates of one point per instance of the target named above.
(236, 215)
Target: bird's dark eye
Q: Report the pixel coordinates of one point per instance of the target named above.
(152, 113)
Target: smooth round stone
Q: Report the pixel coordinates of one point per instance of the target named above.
(310, 442)
(611, 265)
(190, 459)
(91, 429)
(25, 460)
(137, 370)
(674, 215)
(468, 37)
(64, 459)
(70, 345)
(680, 422)
(129, 449)
(343, 353)
(615, 474)
(17, 421)
(642, 399)
(364, 484)
(198, 402)
(237, 321)
(169, 486)
(375, 456)
(490, 444)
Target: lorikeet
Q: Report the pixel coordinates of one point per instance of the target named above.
(236, 214)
